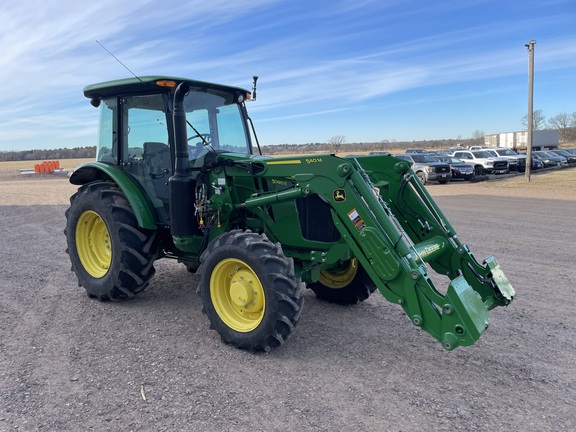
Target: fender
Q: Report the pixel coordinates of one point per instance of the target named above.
(98, 171)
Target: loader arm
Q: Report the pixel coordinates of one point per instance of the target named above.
(396, 231)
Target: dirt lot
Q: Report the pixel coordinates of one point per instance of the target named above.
(68, 363)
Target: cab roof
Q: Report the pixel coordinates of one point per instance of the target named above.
(151, 82)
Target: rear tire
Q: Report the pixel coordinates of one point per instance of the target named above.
(112, 257)
(249, 291)
(346, 286)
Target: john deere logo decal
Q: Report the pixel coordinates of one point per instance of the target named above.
(339, 195)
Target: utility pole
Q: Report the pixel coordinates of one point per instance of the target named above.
(530, 47)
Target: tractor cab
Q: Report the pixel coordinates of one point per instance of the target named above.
(137, 132)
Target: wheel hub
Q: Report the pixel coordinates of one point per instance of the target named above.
(93, 244)
(341, 278)
(237, 295)
(241, 292)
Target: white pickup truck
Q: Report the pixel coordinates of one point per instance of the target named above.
(484, 160)
(516, 161)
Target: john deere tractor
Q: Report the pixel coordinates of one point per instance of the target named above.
(177, 176)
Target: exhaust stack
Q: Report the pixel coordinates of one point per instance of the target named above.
(181, 184)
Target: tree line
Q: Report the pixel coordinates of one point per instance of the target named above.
(333, 145)
(564, 123)
(337, 145)
(54, 154)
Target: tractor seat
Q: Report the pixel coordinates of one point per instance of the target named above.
(158, 168)
(157, 159)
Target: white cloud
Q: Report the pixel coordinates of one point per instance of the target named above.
(318, 60)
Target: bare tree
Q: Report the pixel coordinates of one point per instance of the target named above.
(538, 120)
(563, 123)
(336, 142)
(572, 129)
(478, 137)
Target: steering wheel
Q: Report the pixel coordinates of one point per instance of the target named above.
(205, 139)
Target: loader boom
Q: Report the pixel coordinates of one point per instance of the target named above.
(390, 223)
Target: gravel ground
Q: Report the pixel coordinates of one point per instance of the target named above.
(68, 363)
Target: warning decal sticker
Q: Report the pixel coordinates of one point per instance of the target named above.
(356, 220)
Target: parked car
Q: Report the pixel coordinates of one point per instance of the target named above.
(537, 164)
(570, 157)
(550, 159)
(379, 152)
(427, 168)
(473, 148)
(485, 161)
(460, 169)
(516, 161)
(418, 150)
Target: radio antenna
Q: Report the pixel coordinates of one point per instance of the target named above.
(116, 58)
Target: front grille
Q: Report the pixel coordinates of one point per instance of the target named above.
(500, 164)
(443, 169)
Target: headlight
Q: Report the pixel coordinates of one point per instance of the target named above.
(489, 163)
(430, 169)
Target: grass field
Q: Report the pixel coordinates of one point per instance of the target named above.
(563, 179)
(556, 182)
(16, 166)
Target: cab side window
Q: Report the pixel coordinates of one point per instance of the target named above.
(107, 150)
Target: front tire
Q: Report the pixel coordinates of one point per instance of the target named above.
(249, 291)
(347, 285)
(112, 257)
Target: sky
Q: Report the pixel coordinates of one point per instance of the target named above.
(365, 70)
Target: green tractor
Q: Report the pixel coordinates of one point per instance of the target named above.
(176, 176)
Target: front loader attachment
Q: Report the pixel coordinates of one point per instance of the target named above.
(421, 236)
(387, 220)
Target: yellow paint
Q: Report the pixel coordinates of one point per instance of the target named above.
(93, 244)
(237, 295)
(285, 162)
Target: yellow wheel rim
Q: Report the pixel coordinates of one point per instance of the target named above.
(93, 244)
(341, 278)
(237, 295)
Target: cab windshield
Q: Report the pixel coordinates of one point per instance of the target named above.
(215, 122)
